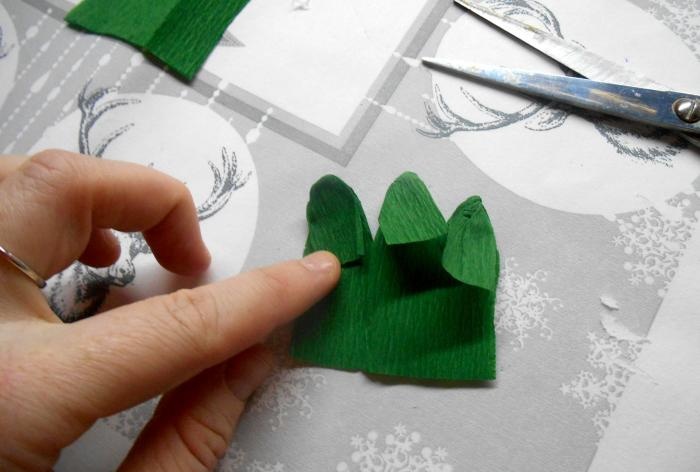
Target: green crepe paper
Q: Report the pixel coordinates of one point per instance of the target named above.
(417, 301)
(181, 33)
(337, 223)
(470, 226)
(336, 220)
(409, 213)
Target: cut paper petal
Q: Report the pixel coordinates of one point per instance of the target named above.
(409, 213)
(180, 33)
(403, 309)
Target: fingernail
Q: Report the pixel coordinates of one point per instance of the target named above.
(321, 261)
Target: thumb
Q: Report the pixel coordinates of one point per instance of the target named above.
(193, 424)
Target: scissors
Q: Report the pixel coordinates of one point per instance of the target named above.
(606, 87)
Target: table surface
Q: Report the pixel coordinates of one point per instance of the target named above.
(594, 218)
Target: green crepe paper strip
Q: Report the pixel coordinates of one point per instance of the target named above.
(403, 309)
(180, 33)
(337, 223)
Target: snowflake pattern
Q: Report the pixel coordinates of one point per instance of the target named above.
(129, 423)
(235, 460)
(400, 454)
(286, 390)
(656, 243)
(613, 358)
(680, 16)
(521, 305)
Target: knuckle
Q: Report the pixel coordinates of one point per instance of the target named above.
(181, 193)
(195, 315)
(56, 161)
(181, 190)
(204, 438)
(53, 170)
(176, 188)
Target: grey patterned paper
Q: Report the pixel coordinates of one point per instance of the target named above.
(592, 216)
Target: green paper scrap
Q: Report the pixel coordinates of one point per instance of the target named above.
(180, 33)
(416, 301)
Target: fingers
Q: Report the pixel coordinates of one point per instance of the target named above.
(55, 199)
(102, 250)
(9, 164)
(135, 352)
(193, 424)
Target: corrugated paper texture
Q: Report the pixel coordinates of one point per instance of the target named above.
(418, 300)
(180, 33)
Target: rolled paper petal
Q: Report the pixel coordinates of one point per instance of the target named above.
(471, 255)
(337, 222)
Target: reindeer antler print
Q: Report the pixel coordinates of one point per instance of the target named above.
(80, 291)
(446, 121)
(641, 142)
(227, 180)
(91, 110)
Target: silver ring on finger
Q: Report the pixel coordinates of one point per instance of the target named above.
(26, 270)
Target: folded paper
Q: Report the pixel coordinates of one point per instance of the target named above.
(180, 33)
(417, 300)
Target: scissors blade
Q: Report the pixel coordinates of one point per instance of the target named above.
(654, 107)
(571, 55)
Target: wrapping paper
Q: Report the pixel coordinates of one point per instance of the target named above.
(585, 210)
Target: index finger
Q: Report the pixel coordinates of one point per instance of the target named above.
(134, 352)
(9, 164)
(55, 199)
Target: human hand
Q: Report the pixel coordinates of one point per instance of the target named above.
(199, 347)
